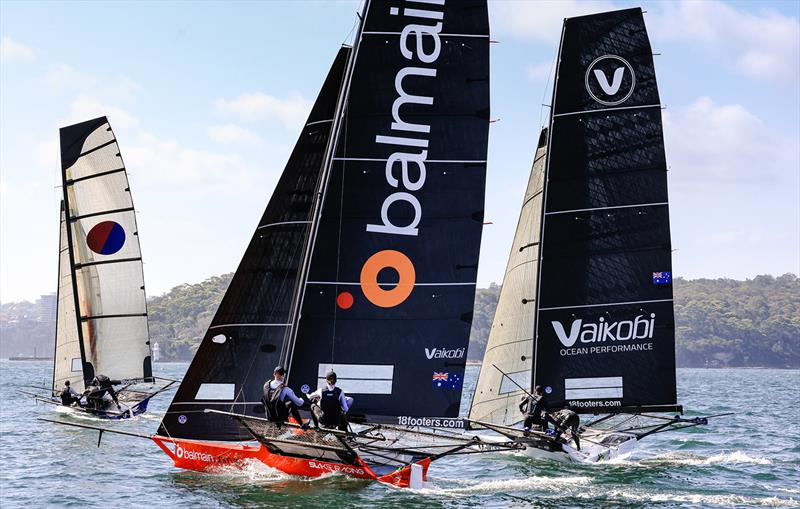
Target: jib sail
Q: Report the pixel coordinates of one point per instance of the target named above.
(246, 337)
(508, 359)
(104, 259)
(605, 328)
(388, 300)
(68, 360)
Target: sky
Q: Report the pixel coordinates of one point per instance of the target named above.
(207, 100)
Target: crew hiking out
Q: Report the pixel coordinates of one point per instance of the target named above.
(333, 403)
(280, 400)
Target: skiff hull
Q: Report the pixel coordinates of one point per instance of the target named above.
(205, 456)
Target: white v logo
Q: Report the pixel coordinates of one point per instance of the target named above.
(570, 340)
(615, 84)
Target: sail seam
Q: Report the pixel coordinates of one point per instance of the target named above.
(477, 36)
(607, 109)
(250, 325)
(607, 208)
(97, 317)
(607, 304)
(383, 160)
(97, 148)
(101, 174)
(282, 223)
(114, 211)
(385, 284)
(103, 262)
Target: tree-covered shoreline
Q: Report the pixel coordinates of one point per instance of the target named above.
(719, 322)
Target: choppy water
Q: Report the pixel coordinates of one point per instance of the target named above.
(752, 460)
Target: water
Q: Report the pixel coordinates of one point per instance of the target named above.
(751, 460)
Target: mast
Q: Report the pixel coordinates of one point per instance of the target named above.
(299, 295)
(70, 247)
(58, 292)
(544, 208)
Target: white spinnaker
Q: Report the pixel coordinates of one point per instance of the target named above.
(110, 286)
(510, 346)
(67, 358)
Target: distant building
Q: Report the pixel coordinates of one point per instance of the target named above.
(46, 308)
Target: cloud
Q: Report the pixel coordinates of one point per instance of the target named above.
(232, 133)
(539, 21)
(760, 45)
(721, 143)
(66, 78)
(14, 50)
(291, 112)
(85, 108)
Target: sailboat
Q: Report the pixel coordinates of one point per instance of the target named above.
(101, 322)
(364, 262)
(586, 307)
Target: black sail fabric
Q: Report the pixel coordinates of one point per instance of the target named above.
(244, 341)
(605, 326)
(389, 296)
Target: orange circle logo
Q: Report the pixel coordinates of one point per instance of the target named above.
(369, 278)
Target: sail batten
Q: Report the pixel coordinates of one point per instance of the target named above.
(392, 275)
(605, 326)
(103, 262)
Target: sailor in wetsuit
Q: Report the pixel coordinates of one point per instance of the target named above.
(333, 402)
(534, 408)
(280, 400)
(101, 392)
(69, 396)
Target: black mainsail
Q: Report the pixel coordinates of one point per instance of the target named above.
(366, 258)
(389, 296)
(246, 336)
(601, 300)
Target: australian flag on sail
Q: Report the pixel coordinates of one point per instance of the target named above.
(446, 380)
(662, 278)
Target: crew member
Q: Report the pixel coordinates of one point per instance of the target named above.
(568, 423)
(333, 402)
(280, 400)
(102, 392)
(69, 396)
(534, 408)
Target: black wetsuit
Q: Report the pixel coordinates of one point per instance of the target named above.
(69, 397)
(535, 410)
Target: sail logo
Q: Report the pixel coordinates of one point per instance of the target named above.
(405, 171)
(624, 330)
(106, 237)
(610, 80)
(441, 353)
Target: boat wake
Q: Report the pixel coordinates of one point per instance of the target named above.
(465, 487)
(724, 458)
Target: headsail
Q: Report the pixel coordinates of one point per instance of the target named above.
(244, 341)
(509, 350)
(605, 325)
(68, 360)
(105, 261)
(388, 301)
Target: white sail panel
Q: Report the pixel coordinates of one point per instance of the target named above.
(510, 346)
(67, 358)
(106, 253)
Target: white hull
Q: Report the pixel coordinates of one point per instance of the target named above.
(589, 453)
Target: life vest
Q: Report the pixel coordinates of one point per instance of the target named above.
(274, 407)
(66, 397)
(331, 408)
(534, 408)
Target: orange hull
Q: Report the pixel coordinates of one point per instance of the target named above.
(206, 456)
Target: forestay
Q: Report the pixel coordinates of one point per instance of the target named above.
(605, 326)
(104, 258)
(68, 363)
(246, 336)
(389, 296)
(510, 346)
